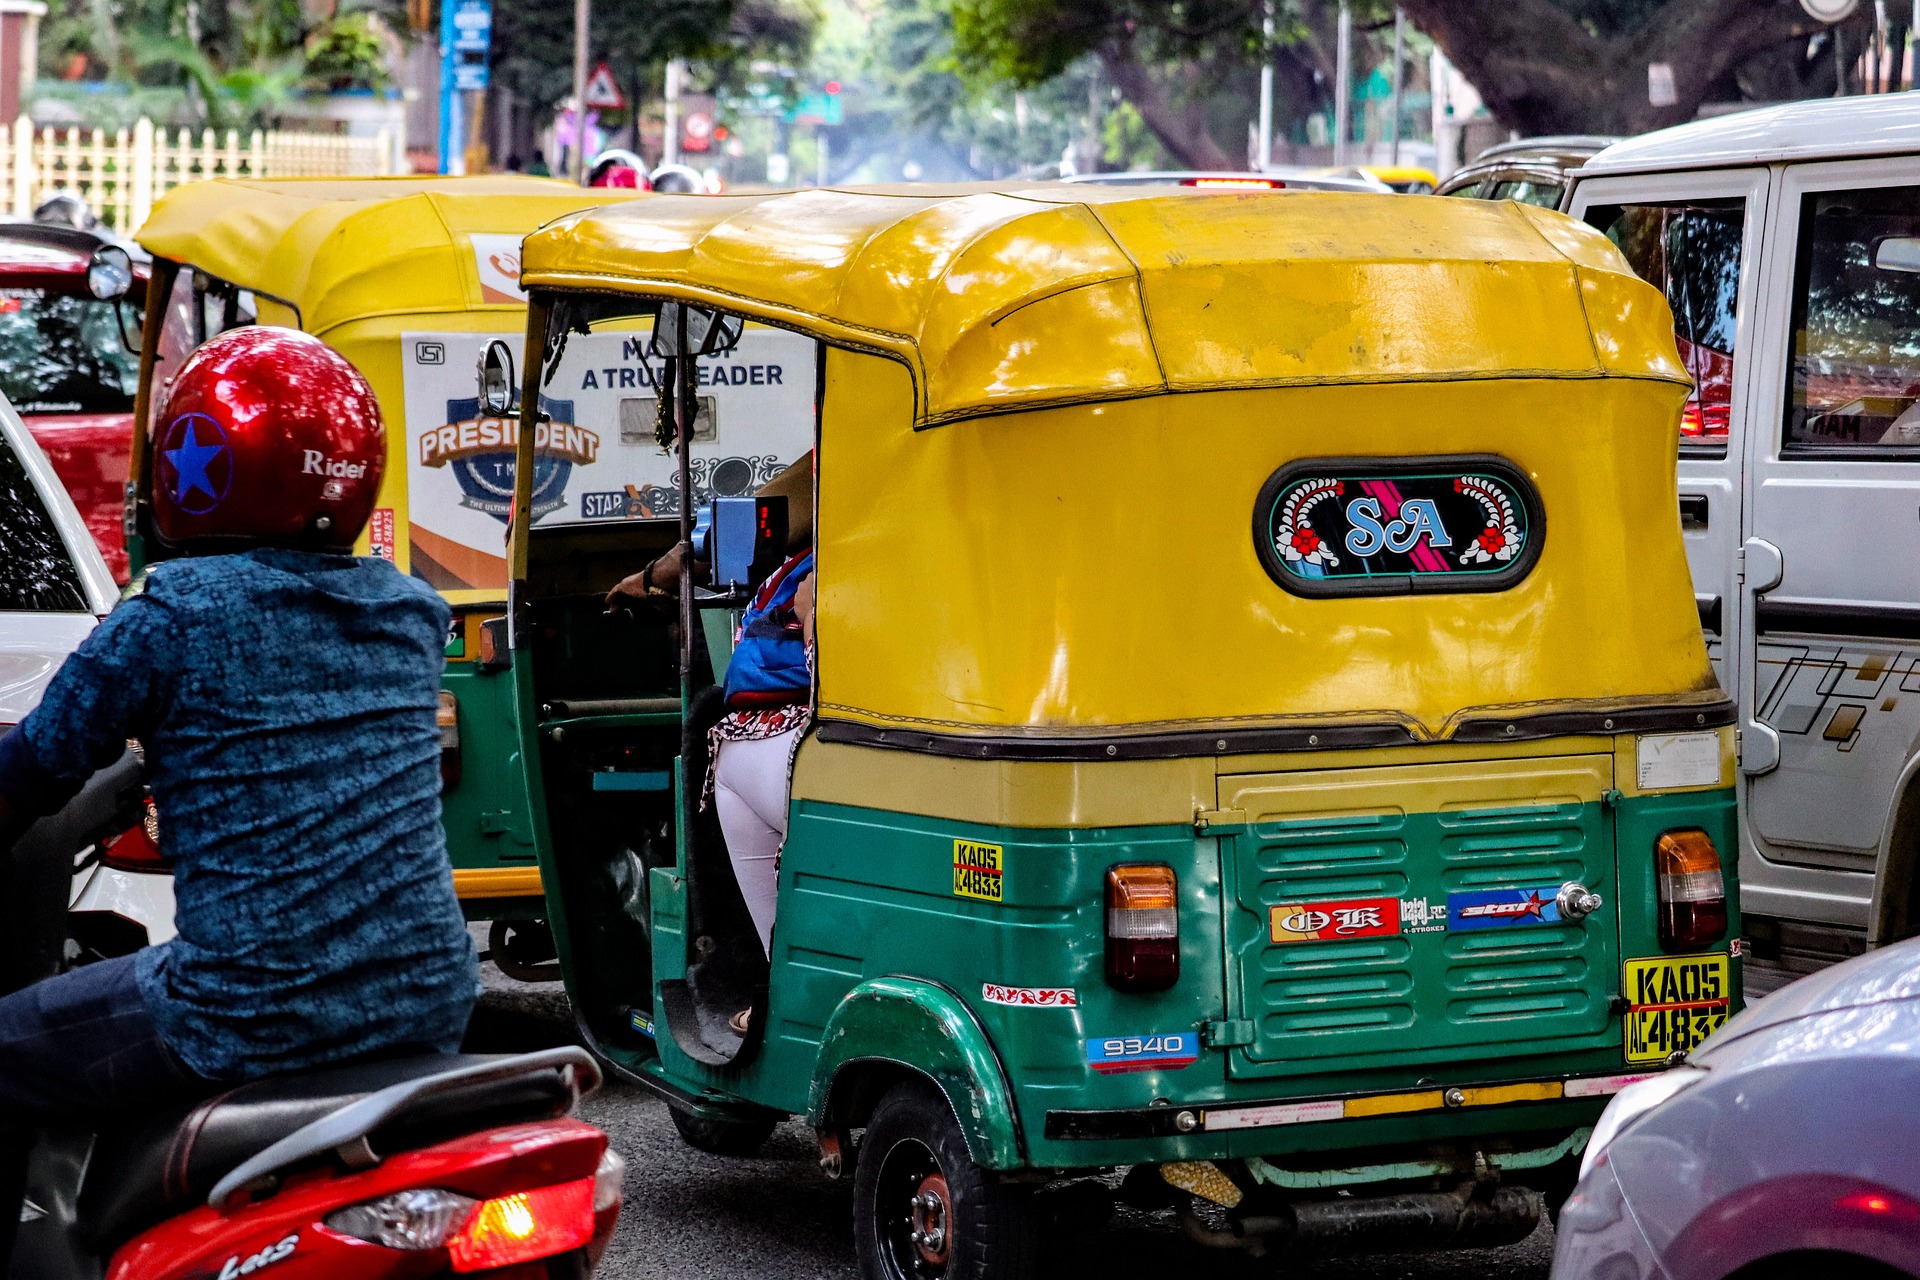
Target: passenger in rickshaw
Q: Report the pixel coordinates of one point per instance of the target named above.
(768, 691)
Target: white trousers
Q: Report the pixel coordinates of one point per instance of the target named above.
(750, 795)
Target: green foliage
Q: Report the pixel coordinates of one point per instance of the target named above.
(349, 52)
(244, 97)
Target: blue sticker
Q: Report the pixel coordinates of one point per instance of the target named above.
(196, 449)
(641, 1023)
(1503, 908)
(1115, 1055)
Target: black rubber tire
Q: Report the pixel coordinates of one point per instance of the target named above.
(990, 1228)
(722, 1137)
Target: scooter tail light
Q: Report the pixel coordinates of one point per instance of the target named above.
(609, 1181)
(1691, 888)
(525, 1226)
(1143, 927)
(417, 1218)
(138, 847)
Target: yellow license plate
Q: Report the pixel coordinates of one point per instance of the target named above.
(1674, 1002)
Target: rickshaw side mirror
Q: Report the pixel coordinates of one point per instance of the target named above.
(1897, 253)
(496, 379)
(743, 540)
(109, 273)
(709, 332)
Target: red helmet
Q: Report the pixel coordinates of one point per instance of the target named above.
(268, 437)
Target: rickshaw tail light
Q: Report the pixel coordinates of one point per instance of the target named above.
(1692, 890)
(1143, 927)
(446, 718)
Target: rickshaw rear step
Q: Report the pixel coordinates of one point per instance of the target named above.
(1472, 1218)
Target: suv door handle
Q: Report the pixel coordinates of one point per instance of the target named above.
(1761, 569)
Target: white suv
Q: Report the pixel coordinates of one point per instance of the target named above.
(54, 589)
(1787, 240)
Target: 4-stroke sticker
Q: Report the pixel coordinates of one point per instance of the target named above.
(1422, 915)
(977, 870)
(1030, 997)
(1331, 921)
(1673, 1003)
(1503, 908)
(1168, 1051)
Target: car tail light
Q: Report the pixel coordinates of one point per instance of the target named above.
(447, 716)
(1887, 1206)
(1692, 891)
(1143, 927)
(138, 847)
(1235, 184)
(524, 1226)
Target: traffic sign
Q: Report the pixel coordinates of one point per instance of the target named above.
(603, 92)
(696, 131)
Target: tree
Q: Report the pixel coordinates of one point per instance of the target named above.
(1189, 67)
(1580, 66)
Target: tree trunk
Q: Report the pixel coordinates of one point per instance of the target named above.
(1182, 130)
(1540, 71)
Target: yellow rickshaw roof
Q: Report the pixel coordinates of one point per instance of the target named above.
(343, 249)
(1005, 298)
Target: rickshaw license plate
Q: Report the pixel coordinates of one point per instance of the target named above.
(1674, 1002)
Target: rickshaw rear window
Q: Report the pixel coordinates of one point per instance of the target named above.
(62, 353)
(36, 573)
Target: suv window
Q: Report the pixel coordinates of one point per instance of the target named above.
(1854, 380)
(1535, 191)
(36, 573)
(60, 353)
(1690, 251)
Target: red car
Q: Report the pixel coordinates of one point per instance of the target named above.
(69, 364)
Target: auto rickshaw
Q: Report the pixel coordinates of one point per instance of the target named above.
(1262, 736)
(408, 278)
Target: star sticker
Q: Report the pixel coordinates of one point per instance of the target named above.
(190, 467)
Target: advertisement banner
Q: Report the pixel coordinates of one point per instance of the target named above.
(595, 454)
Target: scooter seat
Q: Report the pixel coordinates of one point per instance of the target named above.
(169, 1163)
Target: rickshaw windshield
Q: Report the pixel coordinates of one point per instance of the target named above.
(603, 447)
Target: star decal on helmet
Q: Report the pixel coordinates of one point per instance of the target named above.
(194, 462)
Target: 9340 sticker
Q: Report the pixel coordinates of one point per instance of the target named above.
(1166, 1051)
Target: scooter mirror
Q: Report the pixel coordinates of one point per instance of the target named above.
(496, 379)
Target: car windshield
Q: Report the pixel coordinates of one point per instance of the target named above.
(61, 353)
(36, 572)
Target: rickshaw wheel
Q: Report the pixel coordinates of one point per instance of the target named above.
(719, 1137)
(922, 1210)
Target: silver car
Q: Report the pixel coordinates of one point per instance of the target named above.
(1784, 1147)
(54, 589)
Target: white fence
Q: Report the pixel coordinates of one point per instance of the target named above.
(120, 176)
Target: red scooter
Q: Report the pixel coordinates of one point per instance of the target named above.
(415, 1166)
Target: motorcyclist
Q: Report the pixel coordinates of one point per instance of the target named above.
(284, 692)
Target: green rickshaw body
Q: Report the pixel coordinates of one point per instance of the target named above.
(1420, 816)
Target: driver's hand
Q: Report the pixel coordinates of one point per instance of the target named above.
(629, 591)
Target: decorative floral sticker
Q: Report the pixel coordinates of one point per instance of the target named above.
(1366, 527)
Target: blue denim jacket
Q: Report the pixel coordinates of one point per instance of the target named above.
(286, 703)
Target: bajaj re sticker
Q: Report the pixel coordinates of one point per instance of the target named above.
(1422, 915)
(977, 869)
(1332, 921)
(1502, 908)
(1673, 1003)
(1117, 1055)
